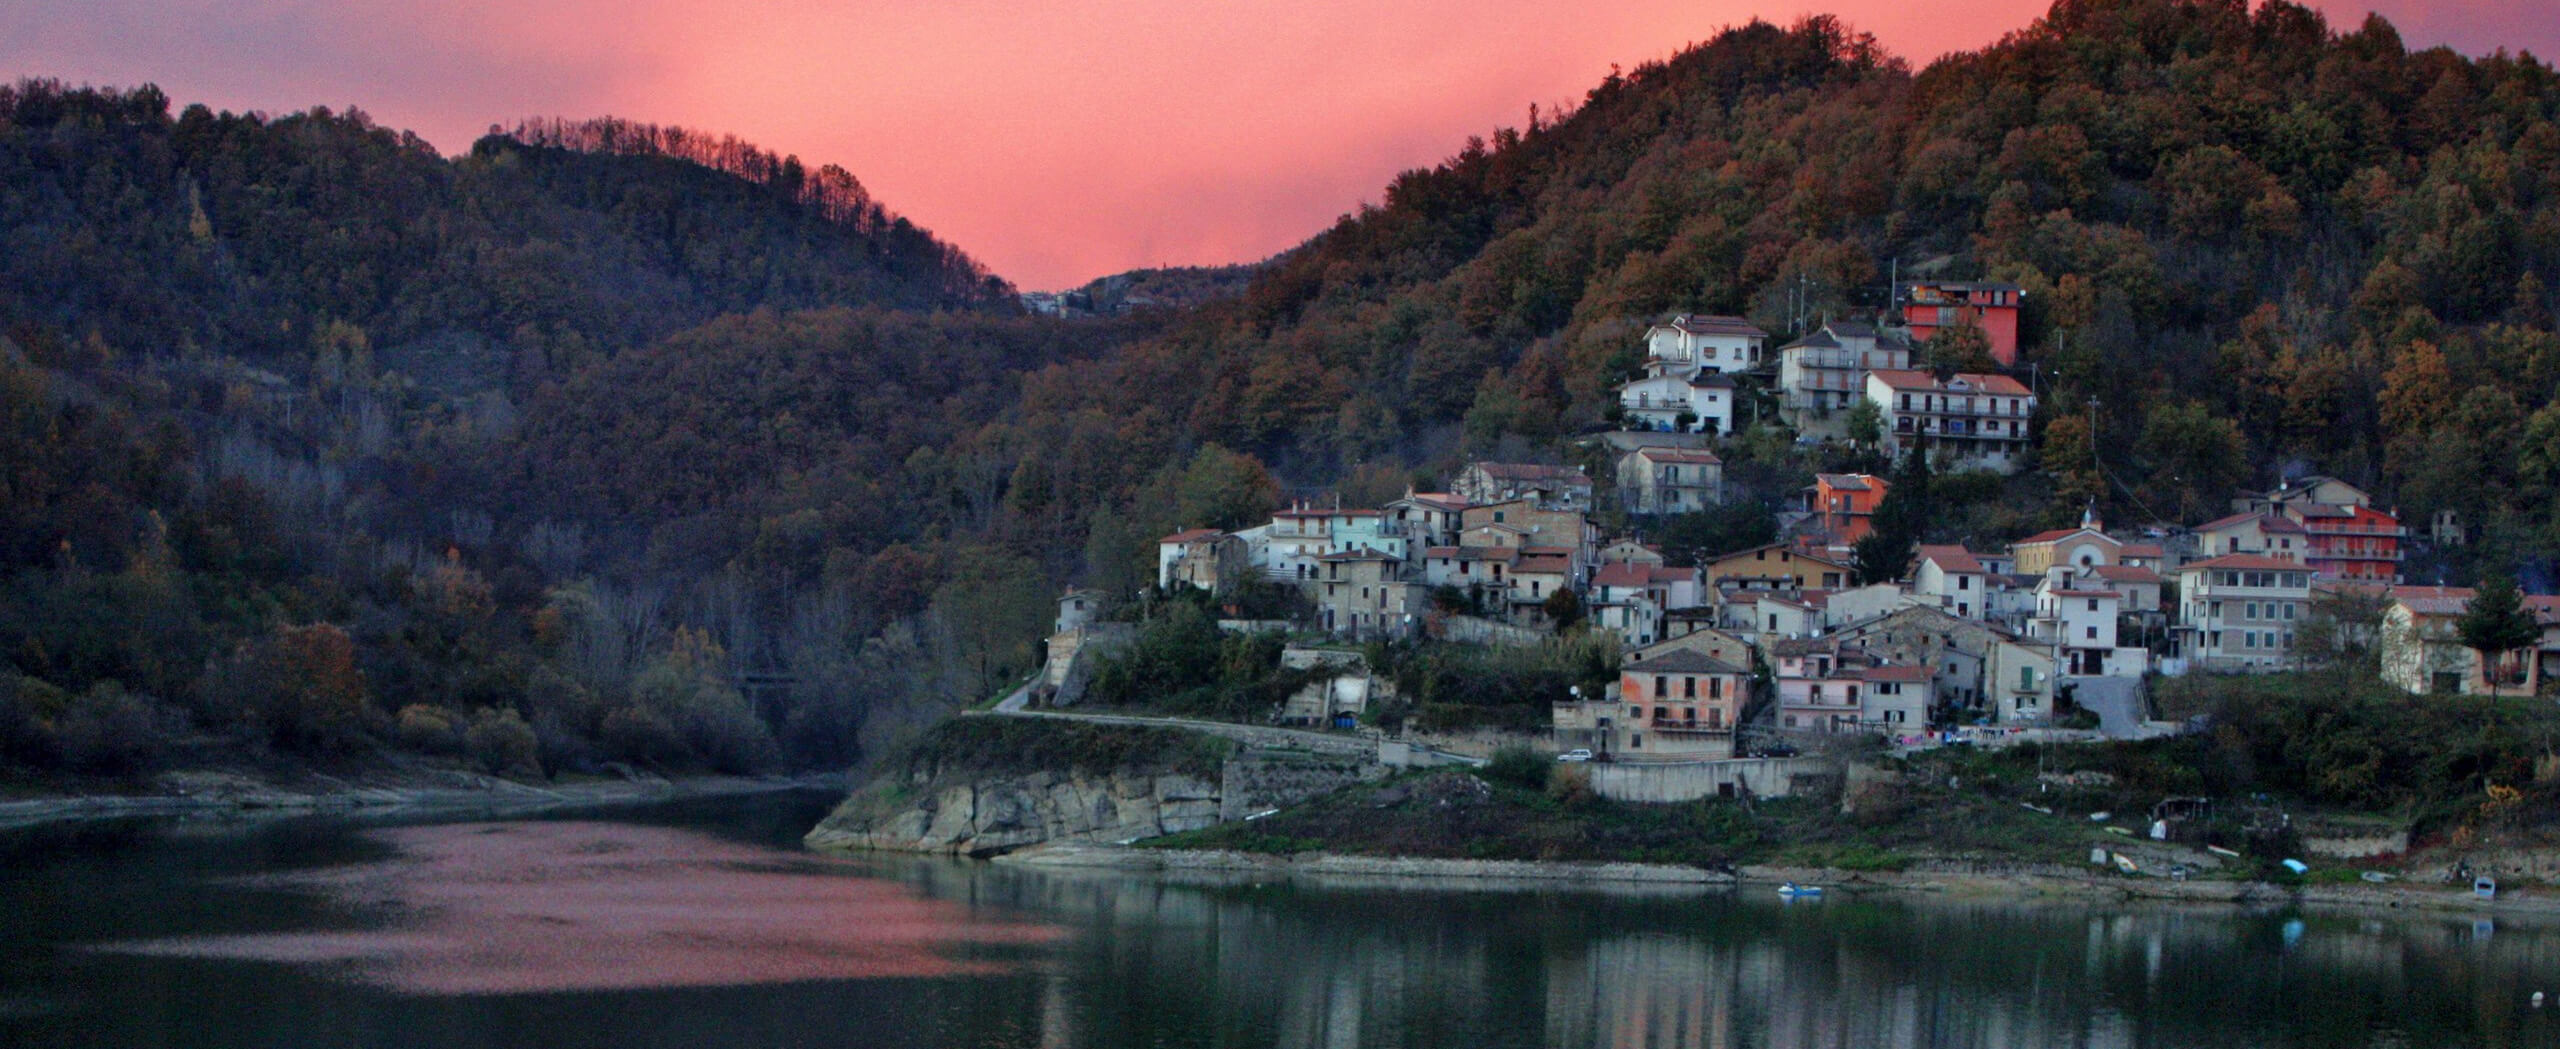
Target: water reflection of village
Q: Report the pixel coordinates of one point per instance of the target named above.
(1293, 965)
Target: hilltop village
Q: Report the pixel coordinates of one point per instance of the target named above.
(1845, 625)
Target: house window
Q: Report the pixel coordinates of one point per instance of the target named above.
(1497, 516)
(1661, 685)
(2093, 604)
(1635, 741)
(1964, 582)
(2093, 633)
(1689, 689)
(1715, 688)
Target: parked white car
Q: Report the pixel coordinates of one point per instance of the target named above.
(1576, 754)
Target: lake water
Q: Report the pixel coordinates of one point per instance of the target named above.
(703, 925)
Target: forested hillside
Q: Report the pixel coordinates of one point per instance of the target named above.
(2258, 242)
(315, 440)
(581, 427)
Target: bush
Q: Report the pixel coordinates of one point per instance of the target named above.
(502, 744)
(110, 731)
(429, 729)
(1520, 767)
(682, 697)
(641, 737)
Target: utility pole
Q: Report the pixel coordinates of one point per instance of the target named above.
(2094, 464)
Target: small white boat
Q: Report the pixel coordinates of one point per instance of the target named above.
(1794, 891)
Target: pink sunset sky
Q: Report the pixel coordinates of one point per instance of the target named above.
(1056, 142)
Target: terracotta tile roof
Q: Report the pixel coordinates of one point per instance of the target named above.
(1898, 673)
(1846, 482)
(1951, 558)
(1713, 324)
(2151, 550)
(1544, 565)
(1533, 472)
(2252, 562)
(1963, 285)
(2061, 533)
(1683, 661)
(1621, 575)
(1191, 535)
(2266, 523)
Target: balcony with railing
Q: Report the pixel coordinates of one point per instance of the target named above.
(1824, 359)
(2317, 526)
(1970, 428)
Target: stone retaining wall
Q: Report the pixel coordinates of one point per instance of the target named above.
(1690, 780)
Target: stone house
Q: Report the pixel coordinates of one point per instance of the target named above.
(1564, 488)
(1200, 557)
(1670, 480)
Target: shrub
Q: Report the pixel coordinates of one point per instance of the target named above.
(502, 744)
(1571, 784)
(709, 722)
(637, 735)
(113, 732)
(430, 729)
(1520, 767)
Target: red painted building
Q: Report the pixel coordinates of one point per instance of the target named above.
(2357, 543)
(1991, 306)
(1844, 505)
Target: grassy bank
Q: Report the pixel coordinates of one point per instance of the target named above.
(1487, 815)
(973, 745)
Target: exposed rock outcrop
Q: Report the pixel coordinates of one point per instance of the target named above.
(994, 813)
(978, 792)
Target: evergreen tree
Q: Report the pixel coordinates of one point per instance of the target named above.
(2496, 623)
(1900, 518)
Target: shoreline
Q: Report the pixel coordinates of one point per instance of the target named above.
(230, 797)
(2025, 881)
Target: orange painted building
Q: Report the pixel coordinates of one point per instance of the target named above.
(2356, 543)
(1990, 306)
(1844, 505)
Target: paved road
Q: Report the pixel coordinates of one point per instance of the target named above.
(1016, 705)
(1364, 745)
(2117, 701)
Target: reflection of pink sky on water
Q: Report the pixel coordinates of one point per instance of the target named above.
(530, 907)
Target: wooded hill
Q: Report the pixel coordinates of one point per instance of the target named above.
(579, 428)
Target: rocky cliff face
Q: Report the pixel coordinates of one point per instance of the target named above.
(995, 813)
(982, 811)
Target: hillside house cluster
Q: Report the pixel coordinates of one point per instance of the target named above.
(1693, 365)
(1964, 635)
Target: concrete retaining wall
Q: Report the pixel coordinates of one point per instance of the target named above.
(1691, 780)
(1488, 632)
(1362, 745)
(1260, 779)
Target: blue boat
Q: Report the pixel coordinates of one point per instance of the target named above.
(1794, 891)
